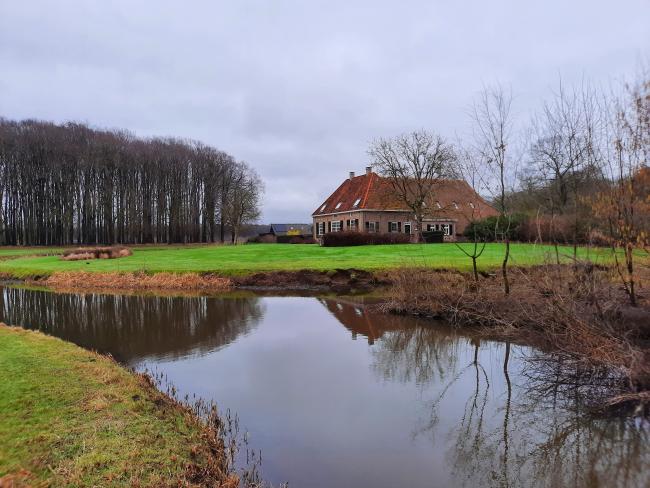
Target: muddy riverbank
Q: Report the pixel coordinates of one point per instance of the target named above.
(339, 280)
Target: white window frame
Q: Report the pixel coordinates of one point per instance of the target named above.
(336, 226)
(356, 202)
(372, 228)
(447, 229)
(393, 227)
(320, 228)
(353, 224)
(410, 227)
(338, 205)
(323, 207)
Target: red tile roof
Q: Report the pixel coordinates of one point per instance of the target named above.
(376, 193)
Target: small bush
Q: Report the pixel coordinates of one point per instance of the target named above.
(340, 239)
(433, 236)
(263, 239)
(560, 228)
(302, 240)
(495, 228)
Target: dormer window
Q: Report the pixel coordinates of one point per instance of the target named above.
(455, 205)
(323, 207)
(356, 202)
(337, 206)
(471, 204)
(438, 205)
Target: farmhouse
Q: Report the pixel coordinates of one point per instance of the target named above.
(368, 203)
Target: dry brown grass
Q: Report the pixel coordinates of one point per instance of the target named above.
(88, 253)
(580, 311)
(83, 280)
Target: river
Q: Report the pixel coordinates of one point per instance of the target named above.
(334, 394)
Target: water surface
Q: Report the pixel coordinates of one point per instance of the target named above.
(335, 395)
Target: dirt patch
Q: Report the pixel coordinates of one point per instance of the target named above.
(340, 280)
(89, 253)
(20, 479)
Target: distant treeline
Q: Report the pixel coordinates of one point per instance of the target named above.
(72, 184)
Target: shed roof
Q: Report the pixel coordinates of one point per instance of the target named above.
(288, 229)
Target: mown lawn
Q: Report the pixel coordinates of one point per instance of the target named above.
(69, 417)
(244, 259)
(11, 251)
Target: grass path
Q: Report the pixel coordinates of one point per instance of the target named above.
(69, 417)
(237, 260)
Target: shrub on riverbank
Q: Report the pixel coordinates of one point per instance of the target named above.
(72, 417)
(579, 311)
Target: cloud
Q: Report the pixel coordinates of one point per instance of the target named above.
(298, 89)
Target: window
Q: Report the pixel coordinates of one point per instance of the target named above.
(471, 204)
(455, 205)
(393, 226)
(407, 227)
(352, 224)
(438, 205)
(336, 226)
(323, 207)
(447, 229)
(320, 228)
(356, 202)
(372, 227)
(338, 205)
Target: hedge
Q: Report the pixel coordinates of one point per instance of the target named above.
(339, 239)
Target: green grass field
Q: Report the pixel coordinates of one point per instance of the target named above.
(10, 252)
(73, 418)
(251, 258)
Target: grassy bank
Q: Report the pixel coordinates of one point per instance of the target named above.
(72, 417)
(253, 258)
(10, 252)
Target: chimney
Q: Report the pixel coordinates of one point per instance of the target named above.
(351, 174)
(368, 170)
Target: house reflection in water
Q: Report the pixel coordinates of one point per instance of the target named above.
(356, 315)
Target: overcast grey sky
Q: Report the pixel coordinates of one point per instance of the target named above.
(299, 88)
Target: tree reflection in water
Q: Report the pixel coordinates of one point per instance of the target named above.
(133, 327)
(524, 424)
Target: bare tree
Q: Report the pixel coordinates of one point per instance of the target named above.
(491, 115)
(470, 168)
(414, 164)
(244, 199)
(565, 152)
(625, 204)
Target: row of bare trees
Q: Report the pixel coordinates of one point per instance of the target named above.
(72, 184)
